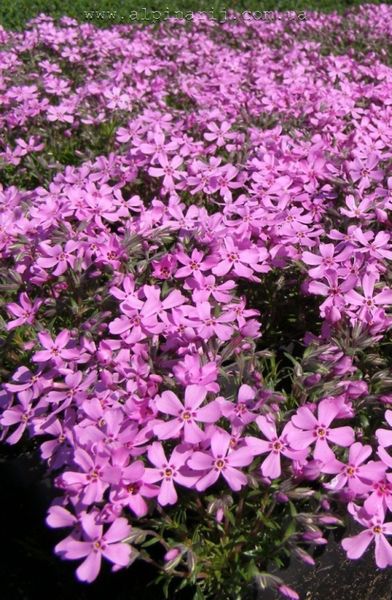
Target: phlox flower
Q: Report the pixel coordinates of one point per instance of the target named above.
(191, 263)
(375, 530)
(221, 461)
(309, 429)
(275, 446)
(96, 544)
(384, 438)
(168, 170)
(20, 414)
(190, 369)
(368, 302)
(242, 262)
(55, 350)
(58, 257)
(93, 478)
(335, 304)
(358, 477)
(169, 471)
(186, 415)
(208, 325)
(205, 286)
(131, 490)
(24, 312)
(240, 412)
(326, 260)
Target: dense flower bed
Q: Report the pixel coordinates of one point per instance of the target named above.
(176, 201)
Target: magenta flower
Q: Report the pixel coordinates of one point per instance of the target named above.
(275, 446)
(168, 471)
(61, 113)
(357, 476)
(24, 312)
(131, 490)
(20, 415)
(221, 462)
(240, 413)
(378, 246)
(94, 476)
(309, 429)
(58, 257)
(365, 171)
(97, 544)
(186, 415)
(218, 134)
(384, 438)
(167, 170)
(241, 261)
(191, 263)
(326, 260)
(204, 287)
(191, 370)
(369, 302)
(209, 325)
(157, 146)
(55, 350)
(376, 530)
(335, 304)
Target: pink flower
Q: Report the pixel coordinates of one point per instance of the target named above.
(287, 591)
(218, 133)
(168, 170)
(168, 471)
(131, 489)
(56, 350)
(186, 415)
(384, 438)
(326, 260)
(275, 446)
(335, 291)
(209, 325)
(61, 113)
(357, 476)
(369, 302)
(241, 261)
(20, 415)
(221, 462)
(191, 370)
(96, 544)
(309, 429)
(191, 263)
(365, 171)
(58, 257)
(376, 530)
(25, 311)
(94, 476)
(377, 246)
(240, 413)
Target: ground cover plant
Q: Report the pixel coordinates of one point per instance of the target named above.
(196, 290)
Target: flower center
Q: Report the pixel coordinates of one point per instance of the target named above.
(321, 432)
(220, 463)
(133, 488)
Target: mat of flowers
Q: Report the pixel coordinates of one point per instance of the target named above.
(195, 239)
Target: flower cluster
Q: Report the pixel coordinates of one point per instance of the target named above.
(131, 351)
